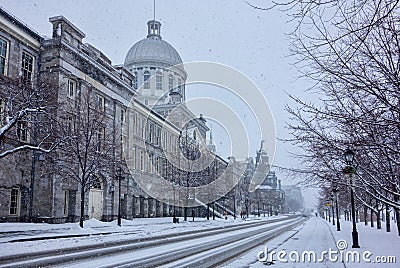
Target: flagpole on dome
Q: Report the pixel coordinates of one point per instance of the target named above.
(154, 10)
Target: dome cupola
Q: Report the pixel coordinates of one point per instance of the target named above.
(152, 51)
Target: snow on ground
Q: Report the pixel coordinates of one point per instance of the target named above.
(318, 235)
(95, 232)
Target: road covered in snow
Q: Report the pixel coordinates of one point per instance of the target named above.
(150, 242)
(284, 241)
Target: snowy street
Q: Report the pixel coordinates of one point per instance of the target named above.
(231, 243)
(151, 238)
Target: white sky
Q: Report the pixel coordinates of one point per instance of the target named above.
(225, 31)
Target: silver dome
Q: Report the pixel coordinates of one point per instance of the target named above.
(154, 50)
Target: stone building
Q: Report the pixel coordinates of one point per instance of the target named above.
(135, 100)
(19, 57)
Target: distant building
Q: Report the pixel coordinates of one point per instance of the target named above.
(269, 196)
(294, 200)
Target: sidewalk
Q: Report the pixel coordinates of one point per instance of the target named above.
(318, 235)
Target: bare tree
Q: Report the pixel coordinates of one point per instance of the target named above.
(26, 116)
(86, 154)
(349, 50)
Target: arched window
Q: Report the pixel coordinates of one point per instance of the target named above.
(95, 182)
(135, 83)
(146, 80)
(159, 81)
(170, 82)
(194, 135)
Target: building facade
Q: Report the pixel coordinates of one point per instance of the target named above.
(133, 100)
(138, 124)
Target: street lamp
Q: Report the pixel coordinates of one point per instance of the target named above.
(119, 177)
(174, 219)
(350, 170)
(112, 191)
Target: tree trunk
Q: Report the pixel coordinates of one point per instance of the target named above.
(357, 215)
(82, 206)
(397, 214)
(378, 219)
(387, 218)
(372, 217)
(365, 215)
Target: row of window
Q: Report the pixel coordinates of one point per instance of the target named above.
(72, 91)
(159, 81)
(153, 133)
(149, 162)
(27, 61)
(15, 202)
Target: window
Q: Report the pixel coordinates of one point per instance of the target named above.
(66, 201)
(158, 136)
(134, 160)
(150, 134)
(71, 88)
(170, 82)
(71, 123)
(170, 143)
(135, 124)
(164, 140)
(22, 131)
(146, 80)
(14, 201)
(159, 81)
(123, 115)
(100, 102)
(3, 56)
(157, 165)
(27, 66)
(2, 109)
(142, 128)
(141, 160)
(135, 81)
(100, 139)
(95, 182)
(123, 146)
(150, 163)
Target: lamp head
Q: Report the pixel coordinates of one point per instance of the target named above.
(349, 156)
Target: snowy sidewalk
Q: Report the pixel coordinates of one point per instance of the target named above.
(317, 235)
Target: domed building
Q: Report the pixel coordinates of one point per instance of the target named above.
(157, 66)
(159, 78)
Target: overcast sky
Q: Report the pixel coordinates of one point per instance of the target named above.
(224, 31)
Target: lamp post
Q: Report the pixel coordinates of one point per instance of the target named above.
(333, 210)
(234, 206)
(335, 192)
(174, 219)
(119, 177)
(350, 170)
(112, 191)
